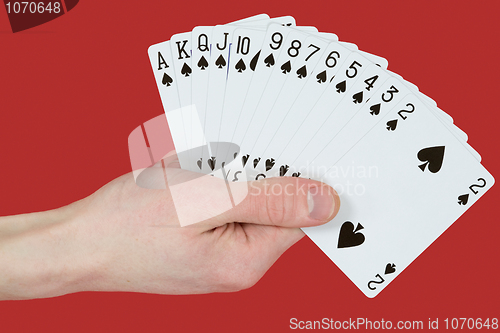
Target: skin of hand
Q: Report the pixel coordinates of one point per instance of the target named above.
(128, 238)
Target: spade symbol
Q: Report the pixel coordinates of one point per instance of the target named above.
(358, 97)
(295, 174)
(202, 63)
(254, 60)
(375, 109)
(286, 67)
(166, 80)
(463, 199)
(199, 163)
(269, 164)
(211, 163)
(302, 72)
(269, 60)
(244, 159)
(185, 70)
(340, 87)
(255, 162)
(349, 237)
(240, 66)
(433, 158)
(321, 77)
(391, 124)
(283, 170)
(390, 268)
(220, 62)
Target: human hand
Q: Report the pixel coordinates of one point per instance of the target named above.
(127, 238)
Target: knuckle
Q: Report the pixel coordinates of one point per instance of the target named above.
(280, 202)
(275, 206)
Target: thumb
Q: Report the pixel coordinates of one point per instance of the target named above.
(286, 202)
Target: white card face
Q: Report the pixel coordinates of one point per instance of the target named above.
(400, 189)
(180, 45)
(260, 97)
(388, 95)
(174, 71)
(162, 64)
(301, 54)
(200, 40)
(377, 60)
(221, 44)
(245, 53)
(181, 55)
(383, 100)
(287, 21)
(333, 112)
(161, 61)
(271, 50)
(308, 69)
(286, 121)
(201, 54)
(280, 71)
(201, 45)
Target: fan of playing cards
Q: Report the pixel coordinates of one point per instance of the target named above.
(262, 97)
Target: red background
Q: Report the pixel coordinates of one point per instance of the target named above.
(73, 89)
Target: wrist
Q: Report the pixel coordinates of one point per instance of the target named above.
(41, 254)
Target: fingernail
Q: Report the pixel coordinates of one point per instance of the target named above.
(322, 202)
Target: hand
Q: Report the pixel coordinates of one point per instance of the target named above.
(127, 238)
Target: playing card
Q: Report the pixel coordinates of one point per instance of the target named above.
(181, 58)
(218, 70)
(245, 53)
(301, 54)
(400, 189)
(338, 143)
(345, 127)
(161, 60)
(278, 131)
(357, 81)
(261, 98)
(284, 121)
(201, 39)
(271, 108)
(271, 50)
(176, 73)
